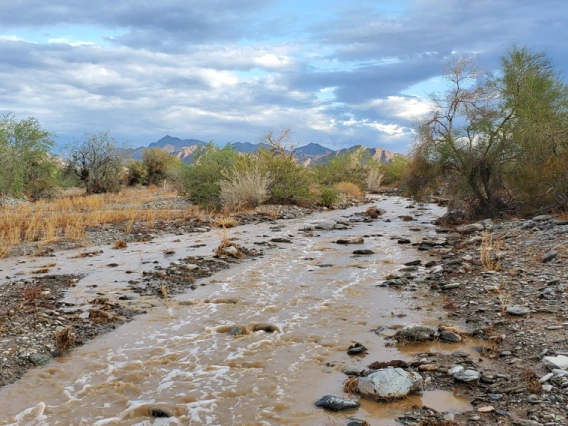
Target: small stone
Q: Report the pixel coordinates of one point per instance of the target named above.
(40, 359)
(455, 369)
(428, 367)
(281, 240)
(559, 362)
(546, 377)
(391, 383)
(518, 310)
(403, 241)
(450, 286)
(356, 349)
(551, 255)
(450, 337)
(334, 403)
(363, 252)
(159, 413)
(413, 263)
(487, 409)
(542, 218)
(467, 375)
(468, 229)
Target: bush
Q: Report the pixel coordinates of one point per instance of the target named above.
(160, 165)
(350, 167)
(137, 173)
(395, 171)
(201, 180)
(329, 196)
(373, 180)
(244, 188)
(349, 188)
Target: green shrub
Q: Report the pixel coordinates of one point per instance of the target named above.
(200, 181)
(160, 165)
(395, 171)
(244, 188)
(137, 173)
(329, 196)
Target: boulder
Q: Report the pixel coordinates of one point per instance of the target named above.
(326, 225)
(559, 362)
(415, 333)
(334, 403)
(391, 383)
(470, 228)
(467, 375)
(450, 337)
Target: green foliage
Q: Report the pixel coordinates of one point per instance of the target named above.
(160, 165)
(496, 145)
(348, 167)
(200, 180)
(96, 160)
(329, 196)
(137, 173)
(25, 164)
(290, 181)
(395, 170)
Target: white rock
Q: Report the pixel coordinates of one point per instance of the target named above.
(467, 375)
(391, 383)
(559, 362)
(455, 369)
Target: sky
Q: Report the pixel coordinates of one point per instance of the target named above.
(337, 73)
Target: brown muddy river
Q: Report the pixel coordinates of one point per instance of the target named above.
(178, 357)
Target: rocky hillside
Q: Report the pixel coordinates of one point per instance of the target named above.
(309, 154)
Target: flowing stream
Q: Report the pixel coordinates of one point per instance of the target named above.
(178, 358)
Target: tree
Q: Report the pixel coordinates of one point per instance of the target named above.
(25, 163)
(160, 165)
(481, 135)
(97, 162)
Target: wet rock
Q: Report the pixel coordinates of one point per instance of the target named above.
(413, 263)
(450, 286)
(281, 240)
(230, 250)
(436, 269)
(160, 413)
(326, 225)
(559, 362)
(334, 403)
(356, 349)
(239, 330)
(40, 359)
(353, 371)
(394, 283)
(391, 383)
(357, 422)
(267, 327)
(551, 255)
(467, 375)
(518, 310)
(542, 218)
(403, 241)
(351, 241)
(486, 409)
(468, 229)
(363, 252)
(415, 333)
(450, 337)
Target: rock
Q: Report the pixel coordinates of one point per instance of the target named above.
(450, 286)
(559, 362)
(357, 422)
(413, 263)
(486, 409)
(518, 310)
(468, 229)
(415, 333)
(450, 337)
(239, 330)
(525, 422)
(455, 369)
(40, 359)
(326, 225)
(334, 403)
(542, 218)
(391, 383)
(436, 269)
(393, 283)
(281, 240)
(363, 252)
(230, 250)
(352, 371)
(428, 367)
(467, 375)
(356, 349)
(546, 378)
(351, 241)
(551, 255)
(403, 241)
(159, 412)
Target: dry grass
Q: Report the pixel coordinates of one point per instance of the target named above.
(226, 243)
(225, 222)
(351, 385)
(44, 222)
(533, 384)
(350, 189)
(98, 316)
(64, 339)
(489, 252)
(119, 244)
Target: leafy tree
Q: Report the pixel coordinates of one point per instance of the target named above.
(486, 144)
(96, 160)
(160, 165)
(25, 164)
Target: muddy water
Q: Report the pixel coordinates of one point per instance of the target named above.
(179, 358)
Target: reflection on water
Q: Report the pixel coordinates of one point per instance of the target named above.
(182, 359)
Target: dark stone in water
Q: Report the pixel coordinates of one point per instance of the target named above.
(158, 412)
(404, 241)
(363, 252)
(413, 263)
(40, 359)
(281, 240)
(356, 349)
(333, 403)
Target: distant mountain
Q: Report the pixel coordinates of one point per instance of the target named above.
(308, 155)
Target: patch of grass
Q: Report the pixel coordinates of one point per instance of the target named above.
(98, 316)
(119, 244)
(533, 383)
(489, 252)
(350, 189)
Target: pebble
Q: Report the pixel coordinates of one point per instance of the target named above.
(487, 409)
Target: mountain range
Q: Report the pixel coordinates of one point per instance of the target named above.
(309, 154)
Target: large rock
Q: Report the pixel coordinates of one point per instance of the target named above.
(323, 224)
(391, 383)
(334, 403)
(559, 362)
(467, 375)
(415, 333)
(468, 229)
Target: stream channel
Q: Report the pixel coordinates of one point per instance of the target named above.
(177, 358)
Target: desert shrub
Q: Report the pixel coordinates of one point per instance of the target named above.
(201, 180)
(349, 188)
(244, 188)
(25, 164)
(137, 173)
(328, 196)
(161, 166)
(373, 180)
(290, 182)
(350, 167)
(395, 171)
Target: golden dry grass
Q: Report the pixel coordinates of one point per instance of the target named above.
(350, 189)
(69, 217)
(489, 252)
